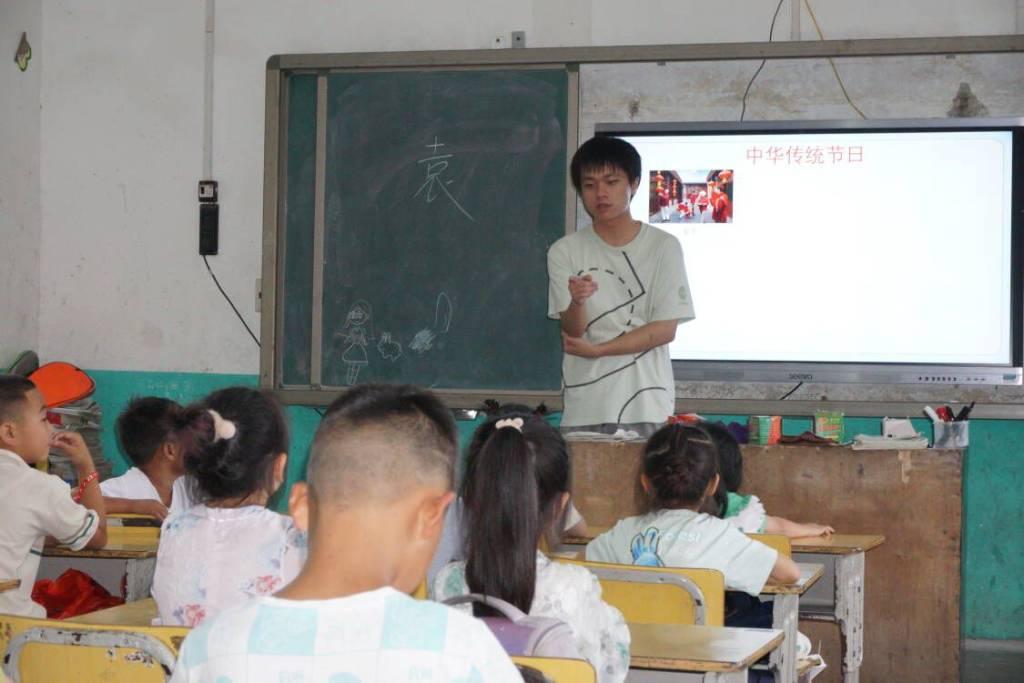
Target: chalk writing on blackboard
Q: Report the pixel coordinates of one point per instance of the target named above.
(437, 164)
(424, 340)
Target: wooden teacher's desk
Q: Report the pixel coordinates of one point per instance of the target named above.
(906, 617)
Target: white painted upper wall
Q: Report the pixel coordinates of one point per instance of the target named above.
(19, 181)
(122, 94)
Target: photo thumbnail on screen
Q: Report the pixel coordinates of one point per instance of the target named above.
(691, 196)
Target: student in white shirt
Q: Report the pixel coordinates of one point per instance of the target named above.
(155, 485)
(515, 493)
(378, 484)
(229, 547)
(34, 505)
(680, 471)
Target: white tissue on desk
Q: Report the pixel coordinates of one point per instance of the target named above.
(898, 428)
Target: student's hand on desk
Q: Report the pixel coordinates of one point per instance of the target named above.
(73, 445)
(581, 288)
(152, 508)
(812, 529)
(578, 346)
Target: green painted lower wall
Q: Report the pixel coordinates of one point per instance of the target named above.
(993, 545)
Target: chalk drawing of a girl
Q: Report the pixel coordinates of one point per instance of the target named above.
(357, 333)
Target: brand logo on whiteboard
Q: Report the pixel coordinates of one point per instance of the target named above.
(801, 376)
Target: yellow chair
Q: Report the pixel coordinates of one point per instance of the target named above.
(777, 541)
(560, 670)
(661, 595)
(49, 650)
(421, 591)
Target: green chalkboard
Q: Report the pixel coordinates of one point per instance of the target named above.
(442, 191)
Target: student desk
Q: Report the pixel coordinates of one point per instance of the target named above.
(668, 652)
(786, 604)
(840, 597)
(9, 584)
(138, 613)
(123, 568)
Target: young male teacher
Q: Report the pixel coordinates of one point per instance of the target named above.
(619, 288)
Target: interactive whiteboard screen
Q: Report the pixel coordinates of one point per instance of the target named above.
(837, 246)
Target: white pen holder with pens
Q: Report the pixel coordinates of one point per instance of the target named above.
(949, 431)
(950, 434)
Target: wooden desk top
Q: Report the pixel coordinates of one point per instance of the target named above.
(9, 584)
(139, 550)
(809, 575)
(678, 647)
(138, 613)
(837, 544)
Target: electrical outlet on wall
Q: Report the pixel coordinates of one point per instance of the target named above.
(499, 41)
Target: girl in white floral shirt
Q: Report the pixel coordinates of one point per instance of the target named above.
(515, 492)
(229, 547)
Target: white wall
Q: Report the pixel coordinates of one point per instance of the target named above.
(122, 143)
(19, 181)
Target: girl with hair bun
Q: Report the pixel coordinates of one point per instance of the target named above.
(680, 472)
(228, 547)
(515, 492)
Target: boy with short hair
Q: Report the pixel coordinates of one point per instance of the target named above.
(156, 484)
(34, 505)
(379, 482)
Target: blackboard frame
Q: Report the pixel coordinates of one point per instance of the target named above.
(275, 185)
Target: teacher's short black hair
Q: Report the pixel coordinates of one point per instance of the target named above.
(601, 152)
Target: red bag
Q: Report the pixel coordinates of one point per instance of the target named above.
(71, 594)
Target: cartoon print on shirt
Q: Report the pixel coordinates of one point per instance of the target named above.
(644, 548)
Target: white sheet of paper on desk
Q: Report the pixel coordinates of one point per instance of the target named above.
(619, 435)
(867, 442)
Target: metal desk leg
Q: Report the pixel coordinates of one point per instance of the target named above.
(785, 618)
(850, 612)
(139, 579)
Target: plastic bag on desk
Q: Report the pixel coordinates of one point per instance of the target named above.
(71, 594)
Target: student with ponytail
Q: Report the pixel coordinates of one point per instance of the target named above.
(228, 547)
(515, 492)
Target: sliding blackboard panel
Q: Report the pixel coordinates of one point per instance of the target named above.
(298, 244)
(442, 192)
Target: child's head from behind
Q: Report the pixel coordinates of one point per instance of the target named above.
(730, 459)
(382, 454)
(515, 492)
(680, 467)
(145, 432)
(235, 444)
(24, 428)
